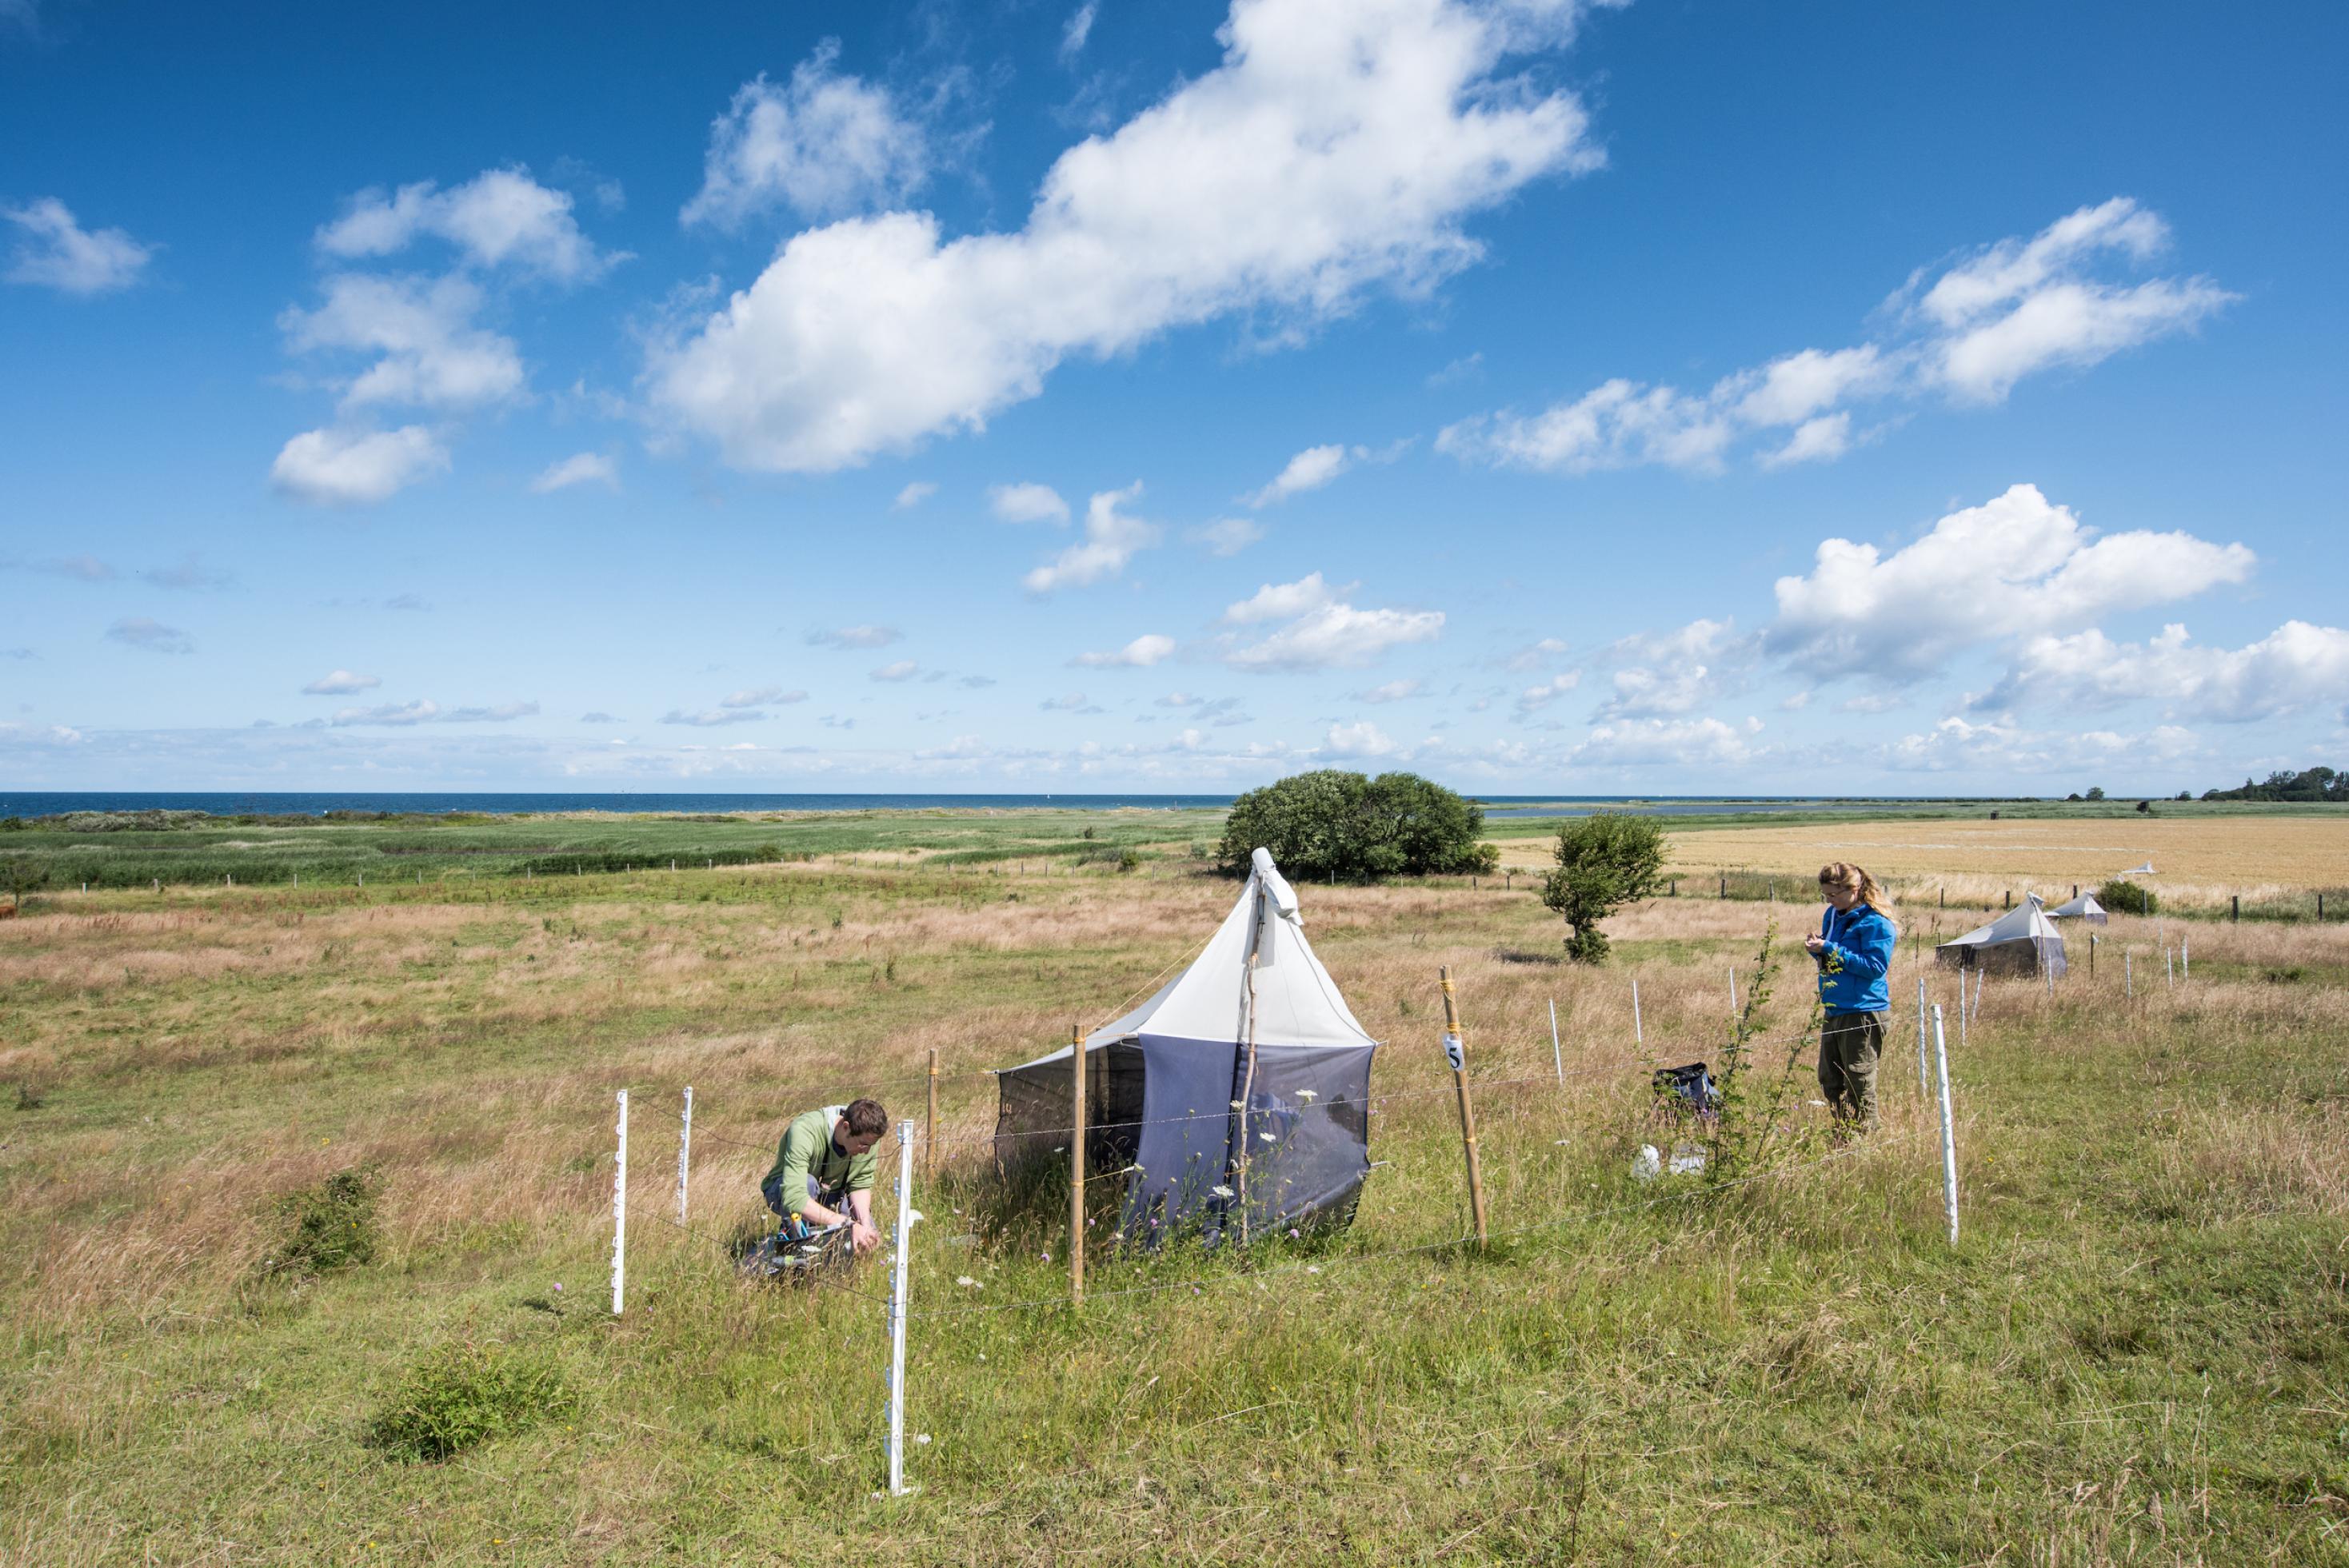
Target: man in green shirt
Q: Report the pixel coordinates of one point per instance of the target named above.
(824, 1170)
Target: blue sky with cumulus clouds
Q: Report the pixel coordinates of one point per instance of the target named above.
(1544, 396)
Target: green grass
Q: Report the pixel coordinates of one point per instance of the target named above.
(2136, 1352)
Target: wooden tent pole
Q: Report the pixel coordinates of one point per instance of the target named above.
(1077, 1166)
(1247, 1092)
(1455, 1047)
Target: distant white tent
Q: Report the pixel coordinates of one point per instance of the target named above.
(1246, 1072)
(2021, 942)
(2084, 907)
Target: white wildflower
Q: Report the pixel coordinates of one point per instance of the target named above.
(1267, 1137)
(1220, 1190)
(1308, 1096)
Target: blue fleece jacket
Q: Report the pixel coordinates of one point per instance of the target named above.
(1856, 959)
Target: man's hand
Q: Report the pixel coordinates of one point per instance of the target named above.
(862, 1237)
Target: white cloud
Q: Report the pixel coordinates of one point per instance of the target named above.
(1281, 600)
(1677, 672)
(1393, 691)
(432, 355)
(580, 468)
(403, 715)
(822, 145)
(1111, 539)
(1667, 742)
(1140, 654)
(1531, 655)
(149, 637)
(1226, 536)
(914, 494)
(1540, 696)
(1361, 738)
(1337, 149)
(2295, 667)
(1337, 636)
(854, 637)
(902, 670)
(1309, 469)
(501, 217)
(1068, 702)
(1026, 502)
(2021, 306)
(1819, 440)
(54, 252)
(711, 717)
(1616, 424)
(1076, 30)
(341, 683)
(2013, 565)
(500, 713)
(2001, 748)
(757, 696)
(354, 468)
(2014, 309)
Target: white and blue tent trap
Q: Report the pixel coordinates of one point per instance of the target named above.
(2022, 940)
(1244, 1080)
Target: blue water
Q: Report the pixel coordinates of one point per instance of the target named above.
(52, 803)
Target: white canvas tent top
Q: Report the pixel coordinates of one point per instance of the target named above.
(1165, 1082)
(2019, 941)
(2084, 907)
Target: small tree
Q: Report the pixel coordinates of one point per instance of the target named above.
(1604, 860)
(2097, 793)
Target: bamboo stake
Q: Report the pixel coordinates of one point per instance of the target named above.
(1455, 1047)
(1077, 1166)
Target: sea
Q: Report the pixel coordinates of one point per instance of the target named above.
(232, 804)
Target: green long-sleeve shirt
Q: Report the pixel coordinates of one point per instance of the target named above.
(807, 1151)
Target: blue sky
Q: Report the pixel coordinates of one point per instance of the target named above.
(1659, 397)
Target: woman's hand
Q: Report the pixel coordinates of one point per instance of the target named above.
(1814, 943)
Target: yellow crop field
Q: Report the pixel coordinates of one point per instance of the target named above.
(2196, 859)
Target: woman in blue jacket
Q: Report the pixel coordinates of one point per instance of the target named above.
(1854, 948)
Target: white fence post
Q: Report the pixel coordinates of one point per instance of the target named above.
(2168, 970)
(1557, 1055)
(898, 1487)
(684, 1153)
(2185, 958)
(1949, 1137)
(620, 1209)
(1732, 991)
(1639, 1034)
(2128, 972)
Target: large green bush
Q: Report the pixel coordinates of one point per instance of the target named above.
(2121, 897)
(1335, 826)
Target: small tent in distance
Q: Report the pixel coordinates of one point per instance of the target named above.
(1243, 1083)
(2084, 907)
(2022, 942)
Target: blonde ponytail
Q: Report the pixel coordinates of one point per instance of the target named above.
(1850, 878)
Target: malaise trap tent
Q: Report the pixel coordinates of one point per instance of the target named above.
(2022, 940)
(2084, 907)
(1237, 1093)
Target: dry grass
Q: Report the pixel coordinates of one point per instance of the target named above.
(2153, 1184)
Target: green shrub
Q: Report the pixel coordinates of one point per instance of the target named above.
(2122, 897)
(1335, 826)
(1604, 860)
(329, 1226)
(30, 1096)
(463, 1394)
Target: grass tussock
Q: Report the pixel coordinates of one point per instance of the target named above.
(465, 1394)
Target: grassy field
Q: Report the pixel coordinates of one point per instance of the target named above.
(2139, 1351)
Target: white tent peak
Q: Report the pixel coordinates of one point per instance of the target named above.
(1295, 1001)
(2025, 919)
